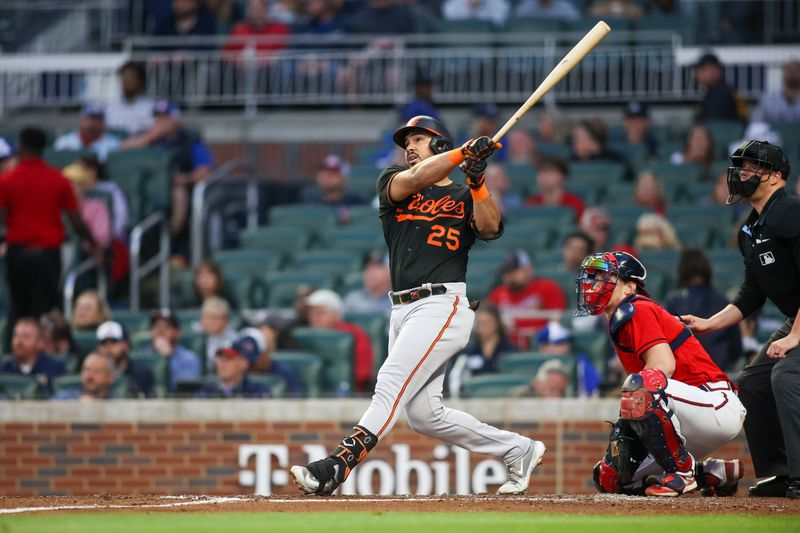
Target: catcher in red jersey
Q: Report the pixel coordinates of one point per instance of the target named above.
(676, 407)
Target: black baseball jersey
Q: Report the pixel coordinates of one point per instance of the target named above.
(429, 234)
(770, 244)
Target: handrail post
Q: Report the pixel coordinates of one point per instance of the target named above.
(160, 260)
(71, 280)
(163, 269)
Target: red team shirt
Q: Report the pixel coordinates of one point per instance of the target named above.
(650, 325)
(541, 293)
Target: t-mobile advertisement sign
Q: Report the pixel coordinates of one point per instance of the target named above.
(393, 478)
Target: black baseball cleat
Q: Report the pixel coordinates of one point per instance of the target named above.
(772, 487)
(793, 491)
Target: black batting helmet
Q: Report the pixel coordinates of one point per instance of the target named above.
(441, 141)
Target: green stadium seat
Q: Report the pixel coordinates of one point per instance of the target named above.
(333, 262)
(361, 239)
(248, 262)
(557, 150)
(85, 341)
(667, 172)
(492, 385)
(694, 193)
(282, 286)
(522, 178)
(151, 168)
(646, 26)
(62, 158)
(524, 363)
(532, 24)
(119, 389)
(364, 215)
(307, 365)
(249, 292)
(335, 348)
(725, 132)
(488, 259)
(157, 364)
(132, 321)
(709, 216)
(480, 284)
(71, 362)
(282, 239)
(468, 26)
(607, 171)
(528, 235)
(547, 259)
(276, 384)
(695, 236)
(315, 219)
(17, 387)
(541, 216)
(620, 194)
(625, 216)
(665, 261)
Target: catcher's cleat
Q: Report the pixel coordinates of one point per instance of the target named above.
(316, 478)
(520, 471)
(670, 484)
(717, 477)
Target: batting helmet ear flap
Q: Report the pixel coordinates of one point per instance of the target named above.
(441, 141)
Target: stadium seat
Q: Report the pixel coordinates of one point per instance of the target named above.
(157, 364)
(335, 348)
(528, 235)
(665, 261)
(307, 365)
(119, 389)
(667, 172)
(315, 219)
(724, 132)
(151, 168)
(377, 327)
(62, 158)
(332, 262)
(276, 384)
(695, 236)
(361, 239)
(249, 262)
(709, 216)
(249, 292)
(364, 215)
(479, 284)
(525, 363)
(541, 216)
(557, 150)
(522, 178)
(532, 24)
(17, 387)
(85, 341)
(607, 171)
(492, 385)
(620, 194)
(283, 239)
(71, 363)
(282, 286)
(466, 26)
(132, 321)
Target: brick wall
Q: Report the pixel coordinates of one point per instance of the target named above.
(127, 457)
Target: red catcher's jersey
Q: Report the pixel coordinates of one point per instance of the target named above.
(649, 325)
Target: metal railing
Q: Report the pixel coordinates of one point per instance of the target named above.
(215, 195)
(71, 281)
(160, 261)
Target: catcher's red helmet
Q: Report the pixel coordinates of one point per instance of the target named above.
(595, 282)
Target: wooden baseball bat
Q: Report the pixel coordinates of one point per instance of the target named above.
(573, 57)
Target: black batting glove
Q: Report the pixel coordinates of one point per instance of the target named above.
(474, 169)
(479, 148)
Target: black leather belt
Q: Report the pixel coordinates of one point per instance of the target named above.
(417, 293)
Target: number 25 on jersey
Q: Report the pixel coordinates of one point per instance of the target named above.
(451, 237)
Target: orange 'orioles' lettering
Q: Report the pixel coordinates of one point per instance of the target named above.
(451, 241)
(420, 208)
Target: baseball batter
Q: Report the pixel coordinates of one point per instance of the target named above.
(429, 223)
(676, 405)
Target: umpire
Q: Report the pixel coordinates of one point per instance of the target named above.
(769, 241)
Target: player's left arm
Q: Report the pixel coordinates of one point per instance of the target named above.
(660, 357)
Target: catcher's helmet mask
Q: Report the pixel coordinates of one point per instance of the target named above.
(441, 140)
(598, 278)
(766, 157)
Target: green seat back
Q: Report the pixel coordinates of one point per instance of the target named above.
(249, 292)
(158, 365)
(364, 215)
(315, 219)
(119, 389)
(152, 165)
(334, 262)
(335, 348)
(132, 321)
(307, 365)
(282, 239)
(276, 384)
(17, 387)
(523, 363)
(62, 158)
(492, 385)
(282, 286)
(361, 239)
(608, 170)
(85, 341)
(252, 262)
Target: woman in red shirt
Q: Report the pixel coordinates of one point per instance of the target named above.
(676, 402)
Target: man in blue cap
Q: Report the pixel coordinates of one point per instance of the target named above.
(91, 134)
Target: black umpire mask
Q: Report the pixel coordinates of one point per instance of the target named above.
(739, 188)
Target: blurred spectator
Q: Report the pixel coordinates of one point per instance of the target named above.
(666, 8)
(57, 334)
(697, 149)
(494, 11)
(301, 306)
(216, 326)
(190, 160)
(255, 346)
(589, 142)
(649, 193)
(637, 127)
(325, 311)
(27, 347)
(8, 155)
(563, 10)
(33, 196)
(232, 381)
(778, 107)
(720, 100)
(576, 247)
(188, 18)
(422, 104)
(90, 310)
(320, 17)
(695, 295)
(372, 298)
(331, 181)
(522, 298)
(94, 212)
(719, 196)
(92, 173)
(624, 9)
(285, 11)
(741, 21)
(655, 232)
(555, 339)
(184, 364)
(551, 176)
(91, 134)
(258, 24)
(596, 223)
(756, 130)
(500, 188)
(390, 16)
(552, 127)
(480, 356)
(551, 380)
(113, 342)
(207, 283)
(225, 13)
(484, 123)
(132, 111)
(97, 378)
(276, 329)
(521, 147)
